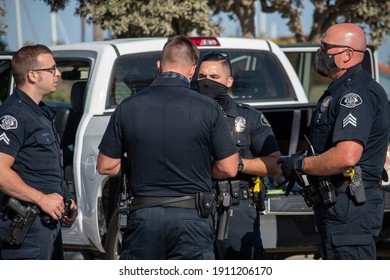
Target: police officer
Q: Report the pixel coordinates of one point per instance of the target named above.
(30, 160)
(349, 136)
(170, 134)
(258, 152)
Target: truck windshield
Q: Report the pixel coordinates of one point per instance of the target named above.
(258, 76)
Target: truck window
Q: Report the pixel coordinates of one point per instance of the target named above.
(72, 72)
(5, 79)
(67, 103)
(258, 76)
(131, 74)
(314, 84)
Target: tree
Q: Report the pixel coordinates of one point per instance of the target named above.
(371, 15)
(56, 5)
(134, 18)
(243, 9)
(3, 12)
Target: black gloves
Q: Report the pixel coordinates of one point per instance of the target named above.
(289, 167)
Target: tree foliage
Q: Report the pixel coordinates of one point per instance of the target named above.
(56, 5)
(133, 18)
(372, 15)
(136, 18)
(3, 12)
(244, 11)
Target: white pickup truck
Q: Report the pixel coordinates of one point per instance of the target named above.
(97, 76)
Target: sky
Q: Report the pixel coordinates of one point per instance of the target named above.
(36, 25)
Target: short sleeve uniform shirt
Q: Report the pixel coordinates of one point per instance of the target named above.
(27, 134)
(355, 107)
(170, 135)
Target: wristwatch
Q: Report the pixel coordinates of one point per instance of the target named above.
(300, 164)
(240, 164)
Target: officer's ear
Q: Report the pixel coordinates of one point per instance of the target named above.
(159, 68)
(32, 77)
(192, 72)
(230, 82)
(348, 55)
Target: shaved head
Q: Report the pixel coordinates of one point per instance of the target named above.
(347, 34)
(347, 42)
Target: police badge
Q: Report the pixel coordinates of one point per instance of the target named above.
(239, 124)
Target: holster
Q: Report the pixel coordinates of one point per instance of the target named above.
(327, 190)
(309, 191)
(223, 213)
(205, 204)
(260, 204)
(21, 222)
(356, 187)
(258, 194)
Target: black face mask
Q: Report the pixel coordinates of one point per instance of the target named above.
(214, 90)
(324, 63)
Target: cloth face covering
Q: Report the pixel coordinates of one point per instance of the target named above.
(324, 63)
(214, 90)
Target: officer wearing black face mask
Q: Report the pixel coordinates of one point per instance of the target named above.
(172, 155)
(259, 153)
(349, 136)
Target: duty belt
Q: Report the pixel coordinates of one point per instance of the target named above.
(163, 201)
(341, 186)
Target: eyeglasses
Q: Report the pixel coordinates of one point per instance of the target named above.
(218, 56)
(52, 70)
(325, 47)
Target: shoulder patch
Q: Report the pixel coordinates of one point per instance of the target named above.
(351, 100)
(8, 122)
(264, 121)
(223, 112)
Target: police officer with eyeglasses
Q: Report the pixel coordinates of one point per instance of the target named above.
(259, 152)
(349, 136)
(34, 196)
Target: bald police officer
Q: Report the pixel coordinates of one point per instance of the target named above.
(349, 136)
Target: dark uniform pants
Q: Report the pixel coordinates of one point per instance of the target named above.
(244, 240)
(168, 233)
(348, 230)
(41, 242)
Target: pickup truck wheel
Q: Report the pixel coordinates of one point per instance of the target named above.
(113, 244)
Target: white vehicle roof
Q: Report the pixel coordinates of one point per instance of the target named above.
(118, 47)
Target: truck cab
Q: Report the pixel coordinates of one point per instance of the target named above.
(97, 76)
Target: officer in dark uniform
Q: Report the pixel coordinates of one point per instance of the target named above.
(258, 152)
(349, 136)
(170, 134)
(31, 176)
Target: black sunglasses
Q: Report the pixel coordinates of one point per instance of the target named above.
(220, 56)
(325, 47)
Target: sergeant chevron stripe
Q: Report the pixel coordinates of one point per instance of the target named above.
(350, 119)
(3, 137)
